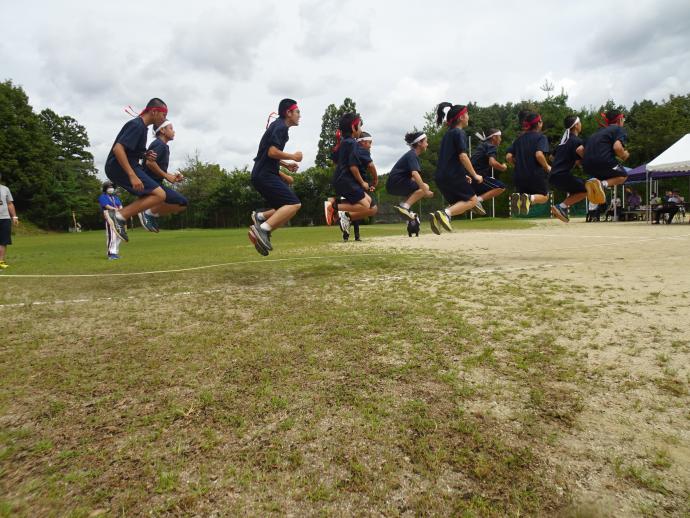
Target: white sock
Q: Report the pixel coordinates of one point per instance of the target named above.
(151, 213)
(531, 198)
(480, 199)
(405, 205)
(563, 205)
(604, 183)
(447, 211)
(265, 226)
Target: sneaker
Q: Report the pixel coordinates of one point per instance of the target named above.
(478, 209)
(433, 221)
(524, 204)
(595, 191)
(263, 236)
(255, 241)
(149, 222)
(3, 265)
(113, 257)
(256, 219)
(515, 204)
(344, 222)
(118, 225)
(346, 236)
(328, 211)
(406, 213)
(560, 213)
(444, 219)
(358, 239)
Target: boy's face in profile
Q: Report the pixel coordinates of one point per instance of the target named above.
(292, 117)
(366, 144)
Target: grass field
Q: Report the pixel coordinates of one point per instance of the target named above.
(510, 368)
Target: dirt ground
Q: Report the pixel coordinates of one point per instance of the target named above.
(628, 454)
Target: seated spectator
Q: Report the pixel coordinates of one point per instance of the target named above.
(634, 200)
(670, 206)
(614, 209)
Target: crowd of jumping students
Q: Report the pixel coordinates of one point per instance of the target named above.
(464, 181)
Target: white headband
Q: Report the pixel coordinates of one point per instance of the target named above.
(157, 130)
(365, 139)
(566, 134)
(418, 139)
(482, 137)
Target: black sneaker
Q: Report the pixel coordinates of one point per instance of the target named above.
(118, 226)
(263, 236)
(560, 213)
(255, 241)
(256, 219)
(346, 236)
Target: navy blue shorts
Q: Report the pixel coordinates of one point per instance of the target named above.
(606, 173)
(567, 182)
(173, 197)
(118, 176)
(533, 184)
(353, 196)
(489, 184)
(5, 232)
(274, 190)
(401, 186)
(455, 189)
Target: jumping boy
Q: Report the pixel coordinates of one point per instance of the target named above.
(485, 162)
(454, 170)
(368, 172)
(405, 179)
(567, 154)
(124, 169)
(602, 153)
(268, 180)
(157, 169)
(528, 154)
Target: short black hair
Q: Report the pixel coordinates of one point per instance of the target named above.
(283, 107)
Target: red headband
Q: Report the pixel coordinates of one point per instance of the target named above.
(293, 107)
(607, 122)
(528, 124)
(356, 122)
(161, 109)
(457, 116)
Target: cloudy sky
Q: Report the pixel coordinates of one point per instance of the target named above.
(222, 66)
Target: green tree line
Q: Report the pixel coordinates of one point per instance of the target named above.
(44, 159)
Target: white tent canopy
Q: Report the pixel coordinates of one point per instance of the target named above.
(675, 158)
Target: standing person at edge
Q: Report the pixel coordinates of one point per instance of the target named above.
(157, 169)
(567, 154)
(367, 170)
(528, 154)
(484, 160)
(270, 182)
(405, 179)
(108, 200)
(8, 217)
(600, 161)
(454, 170)
(347, 179)
(123, 168)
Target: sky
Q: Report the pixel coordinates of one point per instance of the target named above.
(223, 66)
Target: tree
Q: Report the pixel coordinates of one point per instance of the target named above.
(329, 125)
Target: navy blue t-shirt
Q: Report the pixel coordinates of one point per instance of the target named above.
(453, 143)
(566, 155)
(524, 150)
(480, 158)
(364, 158)
(163, 158)
(405, 165)
(132, 136)
(275, 135)
(346, 157)
(599, 152)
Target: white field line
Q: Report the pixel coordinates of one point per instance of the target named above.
(194, 268)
